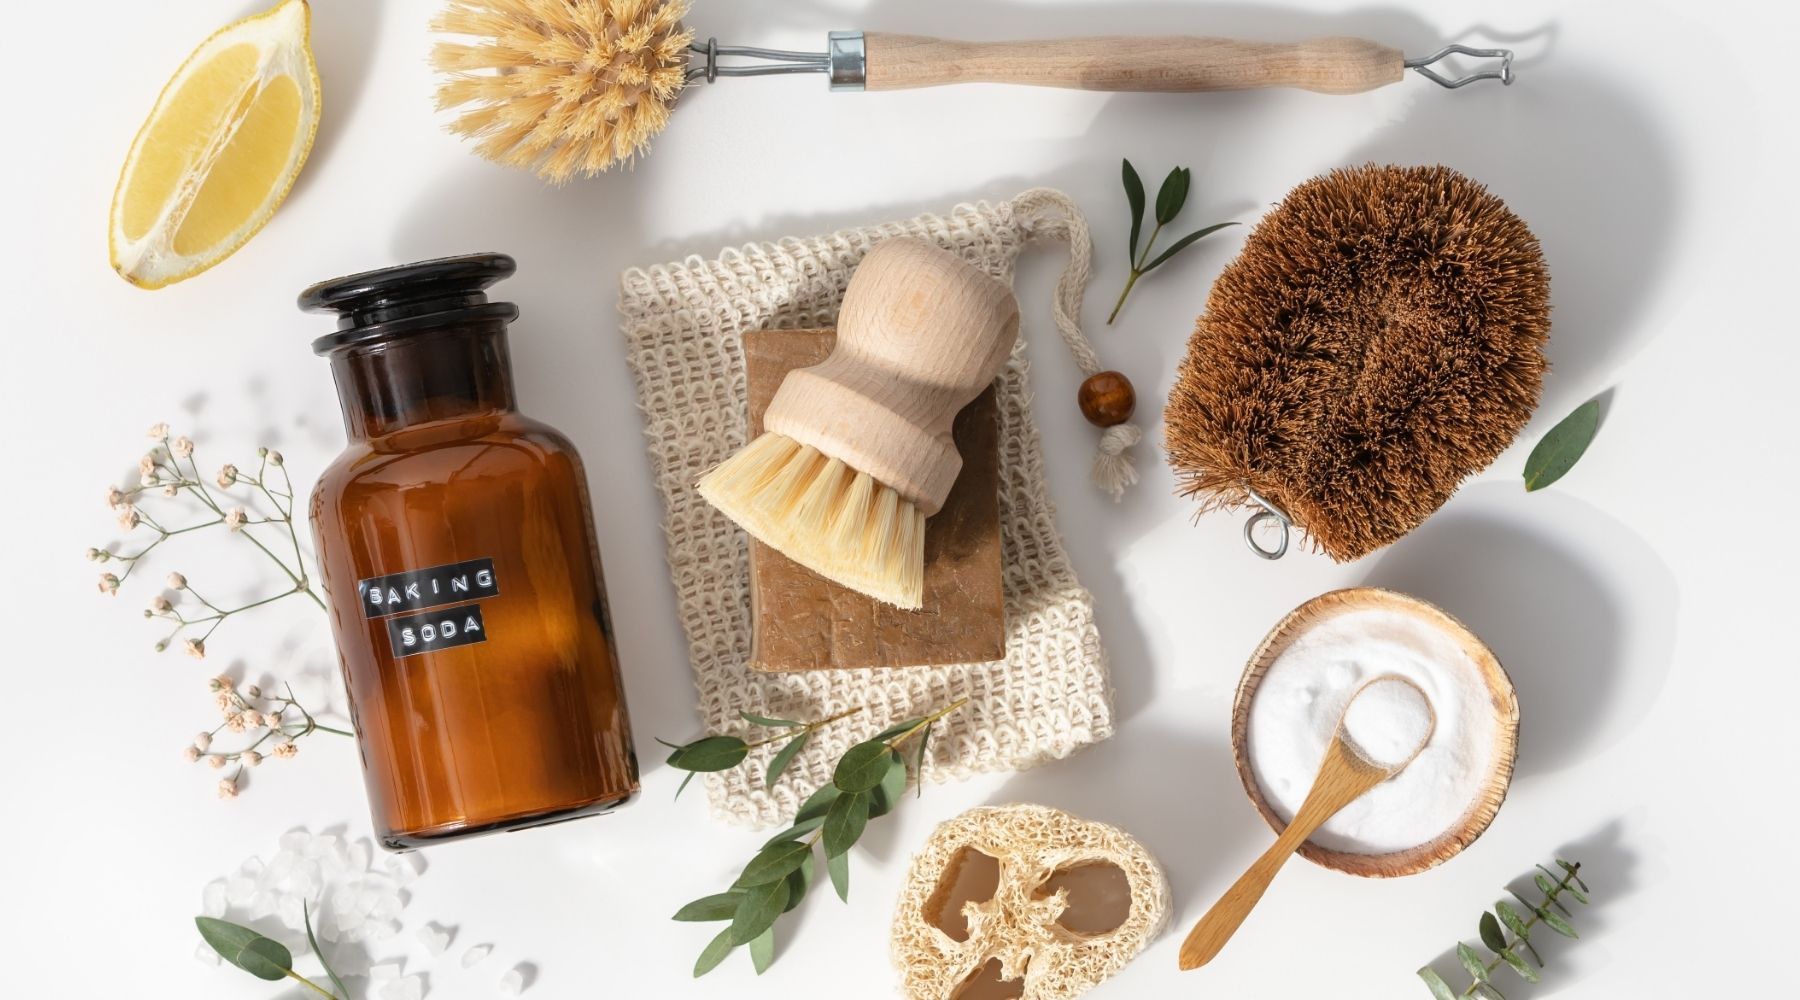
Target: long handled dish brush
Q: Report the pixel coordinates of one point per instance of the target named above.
(570, 87)
(856, 451)
(1378, 339)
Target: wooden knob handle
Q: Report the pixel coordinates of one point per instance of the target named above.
(1165, 64)
(921, 333)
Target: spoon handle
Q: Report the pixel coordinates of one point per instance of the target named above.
(1342, 777)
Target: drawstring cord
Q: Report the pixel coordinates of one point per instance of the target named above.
(1053, 215)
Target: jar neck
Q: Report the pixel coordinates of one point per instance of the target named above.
(450, 374)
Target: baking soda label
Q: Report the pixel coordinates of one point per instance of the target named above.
(429, 631)
(415, 590)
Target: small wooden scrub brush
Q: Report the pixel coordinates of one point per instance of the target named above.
(571, 87)
(1378, 339)
(856, 451)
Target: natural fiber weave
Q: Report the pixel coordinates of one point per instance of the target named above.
(1017, 927)
(683, 326)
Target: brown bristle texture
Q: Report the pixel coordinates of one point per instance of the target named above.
(824, 515)
(564, 87)
(1378, 339)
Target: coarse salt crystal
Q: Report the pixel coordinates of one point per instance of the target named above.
(513, 982)
(404, 988)
(475, 954)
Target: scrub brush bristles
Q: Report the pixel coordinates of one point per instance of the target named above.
(562, 87)
(824, 515)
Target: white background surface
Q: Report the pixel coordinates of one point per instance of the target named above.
(1643, 605)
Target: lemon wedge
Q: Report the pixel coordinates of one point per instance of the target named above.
(219, 151)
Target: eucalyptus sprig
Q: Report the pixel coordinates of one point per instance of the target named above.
(1169, 200)
(1562, 446)
(867, 783)
(265, 957)
(1504, 930)
(722, 753)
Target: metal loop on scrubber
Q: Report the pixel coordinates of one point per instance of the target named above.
(1504, 74)
(1269, 512)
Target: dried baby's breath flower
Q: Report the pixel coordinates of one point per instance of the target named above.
(176, 581)
(236, 722)
(202, 741)
(274, 457)
(181, 447)
(215, 761)
(196, 648)
(159, 605)
(253, 692)
(228, 476)
(228, 788)
(286, 749)
(115, 497)
(170, 490)
(147, 467)
(109, 584)
(129, 517)
(192, 753)
(96, 555)
(235, 519)
(158, 432)
(250, 758)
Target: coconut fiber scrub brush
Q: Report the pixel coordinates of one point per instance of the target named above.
(571, 87)
(1378, 339)
(856, 451)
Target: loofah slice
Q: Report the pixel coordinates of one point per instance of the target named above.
(1024, 901)
(1379, 339)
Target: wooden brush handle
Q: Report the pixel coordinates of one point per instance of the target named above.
(920, 334)
(1166, 64)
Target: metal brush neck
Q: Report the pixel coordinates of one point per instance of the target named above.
(845, 61)
(1503, 72)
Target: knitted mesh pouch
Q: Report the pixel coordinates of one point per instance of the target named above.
(683, 324)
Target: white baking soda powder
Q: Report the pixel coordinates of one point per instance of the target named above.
(1297, 705)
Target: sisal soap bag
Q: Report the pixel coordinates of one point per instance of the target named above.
(684, 325)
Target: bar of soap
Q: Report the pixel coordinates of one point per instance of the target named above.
(805, 622)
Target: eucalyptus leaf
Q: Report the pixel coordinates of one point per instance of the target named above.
(783, 758)
(816, 804)
(1472, 962)
(862, 766)
(772, 864)
(1134, 195)
(246, 949)
(757, 911)
(1574, 874)
(1510, 917)
(919, 762)
(313, 943)
(768, 723)
(1558, 924)
(1183, 243)
(1172, 195)
(885, 796)
(1570, 890)
(838, 867)
(718, 906)
(1440, 990)
(762, 951)
(1558, 451)
(845, 823)
(1491, 934)
(713, 753)
(1520, 966)
(799, 882)
(1544, 885)
(1488, 989)
(684, 783)
(798, 830)
(714, 953)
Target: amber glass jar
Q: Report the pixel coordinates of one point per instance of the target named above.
(457, 548)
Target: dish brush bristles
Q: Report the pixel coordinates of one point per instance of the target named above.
(562, 87)
(834, 520)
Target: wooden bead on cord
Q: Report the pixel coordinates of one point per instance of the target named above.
(1107, 399)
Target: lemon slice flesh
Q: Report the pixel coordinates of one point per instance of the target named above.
(219, 151)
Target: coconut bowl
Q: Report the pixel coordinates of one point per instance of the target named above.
(1506, 731)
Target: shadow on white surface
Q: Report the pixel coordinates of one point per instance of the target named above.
(344, 39)
(1175, 790)
(1579, 610)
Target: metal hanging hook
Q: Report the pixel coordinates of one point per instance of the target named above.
(1504, 74)
(1269, 512)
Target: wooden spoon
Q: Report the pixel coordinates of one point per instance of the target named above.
(1343, 777)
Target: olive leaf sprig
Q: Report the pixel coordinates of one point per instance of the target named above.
(1169, 200)
(1549, 913)
(267, 958)
(867, 783)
